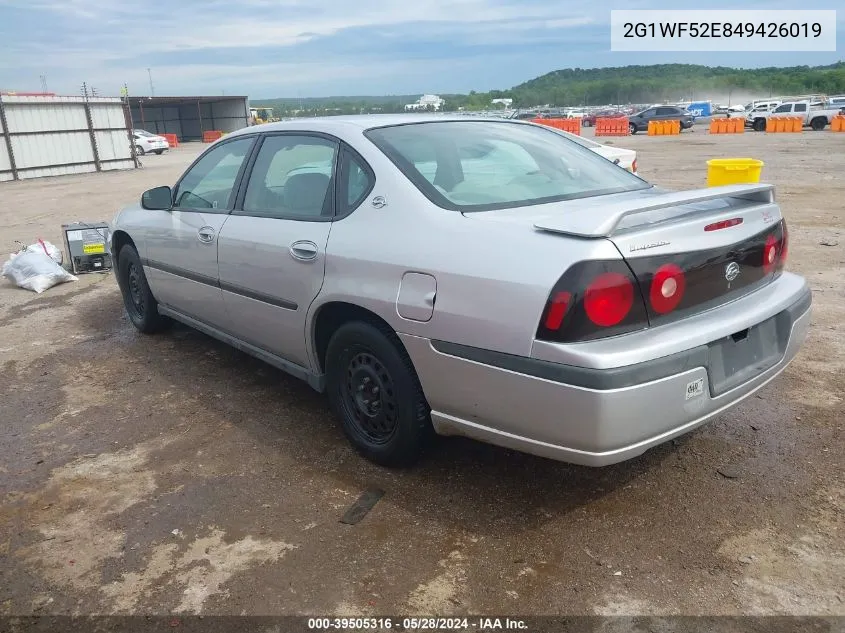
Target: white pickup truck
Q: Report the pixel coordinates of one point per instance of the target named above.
(814, 113)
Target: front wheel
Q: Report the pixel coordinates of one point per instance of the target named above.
(373, 388)
(141, 306)
(139, 150)
(759, 125)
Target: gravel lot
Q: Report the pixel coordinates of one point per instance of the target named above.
(171, 473)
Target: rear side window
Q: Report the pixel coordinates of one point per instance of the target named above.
(357, 181)
(800, 107)
(482, 165)
(666, 111)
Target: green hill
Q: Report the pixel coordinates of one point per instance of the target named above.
(598, 86)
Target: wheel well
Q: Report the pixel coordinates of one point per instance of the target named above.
(335, 314)
(119, 240)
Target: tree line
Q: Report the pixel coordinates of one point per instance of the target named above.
(600, 86)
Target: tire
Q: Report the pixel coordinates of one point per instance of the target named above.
(374, 390)
(759, 125)
(633, 128)
(818, 123)
(159, 152)
(139, 150)
(141, 306)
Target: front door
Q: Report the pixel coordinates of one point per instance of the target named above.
(272, 248)
(181, 244)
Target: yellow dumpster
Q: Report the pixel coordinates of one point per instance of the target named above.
(733, 171)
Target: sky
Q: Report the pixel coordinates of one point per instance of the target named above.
(302, 48)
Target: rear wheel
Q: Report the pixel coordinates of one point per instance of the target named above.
(373, 388)
(141, 306)
(159, 152)
(818, 123)
(139, 150)
(633, 128)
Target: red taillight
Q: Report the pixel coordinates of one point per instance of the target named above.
(770, 254)
(634, 166)
(608, 299)
(557, 310)
(724, 224)
(667, 288)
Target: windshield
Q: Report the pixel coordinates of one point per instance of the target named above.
(485, 165)
(143, 133)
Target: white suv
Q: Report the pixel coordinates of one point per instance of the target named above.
(146, 142)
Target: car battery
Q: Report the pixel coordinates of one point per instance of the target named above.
(87, 246)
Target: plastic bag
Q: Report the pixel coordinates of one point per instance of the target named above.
(51, 249)
(33, 268)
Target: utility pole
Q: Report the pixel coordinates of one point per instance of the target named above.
(84, 90)
(152, 90)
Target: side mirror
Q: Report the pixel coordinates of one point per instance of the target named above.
(157, 199)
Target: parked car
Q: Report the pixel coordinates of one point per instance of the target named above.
(814, 114)
(639, 122)
(146, 142)
(589, 120)
(625, 158)
(486, 278)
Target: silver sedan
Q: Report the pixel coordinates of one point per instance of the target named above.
(485, 278)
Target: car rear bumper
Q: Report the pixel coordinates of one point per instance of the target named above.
(585, 415)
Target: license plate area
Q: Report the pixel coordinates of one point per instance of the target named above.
(746, 354)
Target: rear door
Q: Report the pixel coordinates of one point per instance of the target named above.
(272, 249)
(181, 244)
(667, 114)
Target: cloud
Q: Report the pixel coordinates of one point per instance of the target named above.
(316, 47)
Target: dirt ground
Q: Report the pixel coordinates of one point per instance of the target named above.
(170, 473)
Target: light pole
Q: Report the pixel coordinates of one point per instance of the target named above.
(152, 90)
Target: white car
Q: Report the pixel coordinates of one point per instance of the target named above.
(146, 142)
(626, 158)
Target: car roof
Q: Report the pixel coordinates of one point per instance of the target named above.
(340, 124)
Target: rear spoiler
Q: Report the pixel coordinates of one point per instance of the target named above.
(603, 220)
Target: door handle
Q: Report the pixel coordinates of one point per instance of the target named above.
(304, 250)
(206, 234)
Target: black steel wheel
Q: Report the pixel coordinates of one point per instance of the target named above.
(374, 389)
(369, 398)
(141, 306)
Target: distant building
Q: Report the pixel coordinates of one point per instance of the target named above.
(426, 102)
(505, 102)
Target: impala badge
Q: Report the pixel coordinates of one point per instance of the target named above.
(643, 247)
(731, 271)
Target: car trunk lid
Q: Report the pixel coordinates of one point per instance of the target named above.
(687, 251)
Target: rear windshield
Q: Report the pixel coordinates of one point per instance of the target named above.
(485, 165)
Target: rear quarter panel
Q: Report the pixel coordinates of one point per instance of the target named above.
(493, 278)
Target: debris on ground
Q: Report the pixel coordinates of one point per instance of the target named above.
(37, 267)
(362, 506)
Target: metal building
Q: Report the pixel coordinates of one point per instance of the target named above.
(47, 135)
(189, 117)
